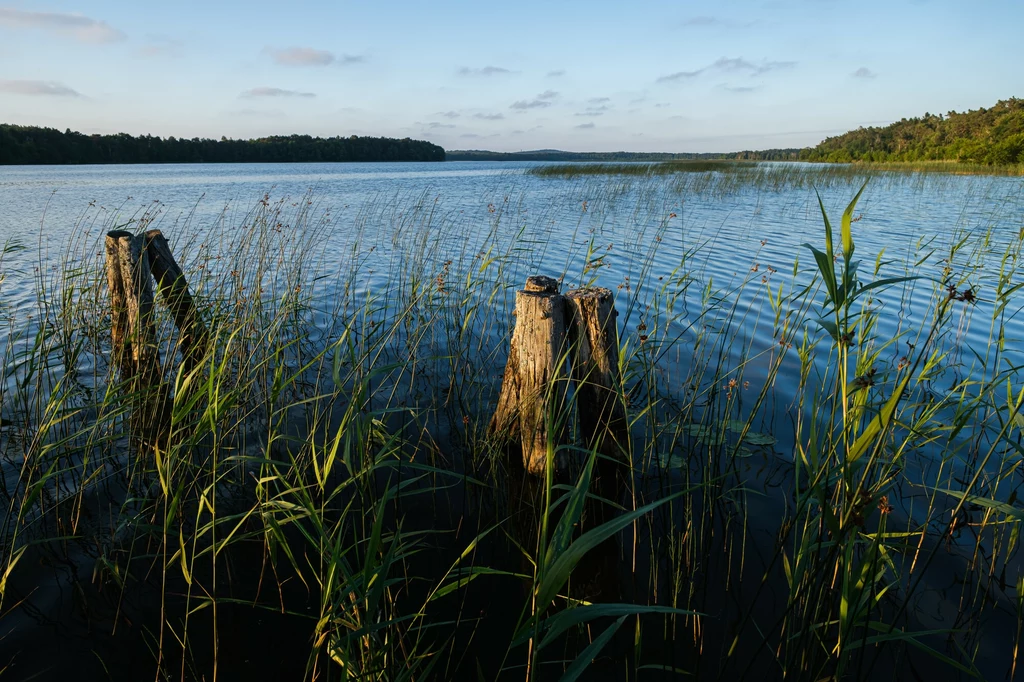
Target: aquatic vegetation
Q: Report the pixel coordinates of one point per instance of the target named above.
(816, 451)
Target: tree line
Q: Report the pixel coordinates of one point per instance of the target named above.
(993, 136)
(33, 145)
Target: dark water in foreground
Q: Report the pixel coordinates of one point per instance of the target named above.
(730, 243)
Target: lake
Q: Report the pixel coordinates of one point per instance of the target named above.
(407, 273)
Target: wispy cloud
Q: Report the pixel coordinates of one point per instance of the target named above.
(434, 125)
(489, 117)
(544, 99)
(739, 88)
(485, 71)
(556, 73)
(599, 100)
(595, 111)
(449, 114)
(524, 104)
(584, 126)
(81, 28)
(38, 88)
(469, 136)
(864, 72)
(680, 76)
(275, 92)
(730, 65)
(308, 56)
(161, 46)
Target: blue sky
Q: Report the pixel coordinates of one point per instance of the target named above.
(595, 75)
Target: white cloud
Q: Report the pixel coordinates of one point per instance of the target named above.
(308, 56)
(485, 71)
(82, 28)
(584, 126)
(38, 88)
(542, 100)
(864, 72)
(730, 65)
(275, 92)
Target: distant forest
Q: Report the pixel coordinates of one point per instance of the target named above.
(558, 155)
(31, 145)
(984, 136)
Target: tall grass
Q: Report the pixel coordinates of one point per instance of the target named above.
(328, 487)
(761, 173)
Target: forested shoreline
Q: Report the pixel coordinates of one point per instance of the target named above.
(20, 145)
(993, 136)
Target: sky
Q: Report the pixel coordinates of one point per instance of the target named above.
(643, 75)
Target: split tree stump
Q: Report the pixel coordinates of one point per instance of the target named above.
(170, 279)
(535, 380)
(595, 370)
(550, 329)
(132, 330)
(131, 261)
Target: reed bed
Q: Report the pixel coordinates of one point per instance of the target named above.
(329, 501)
(773, 173)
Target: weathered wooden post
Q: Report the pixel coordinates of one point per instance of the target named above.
(595, 371)
(173, 287)
(132, 330)
(121, 348)
(535, 379)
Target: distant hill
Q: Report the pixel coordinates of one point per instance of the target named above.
(985, 136)
(31, 145)
(558, 155)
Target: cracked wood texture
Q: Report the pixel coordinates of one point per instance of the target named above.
(595, 371)
(174, 291)
(541, 338)
(132, 330)
(505, 422)
(535, 377)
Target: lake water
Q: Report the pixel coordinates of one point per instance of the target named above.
(695, 263)
(726, 243)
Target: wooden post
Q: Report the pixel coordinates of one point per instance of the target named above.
(505, 421)
(535, 376)
(121, 348)
(132, 331)
(174, 291)
(595, 371)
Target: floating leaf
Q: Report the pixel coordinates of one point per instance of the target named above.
(670, 461)
(755, 438)
(708, 435)
(736, 425)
